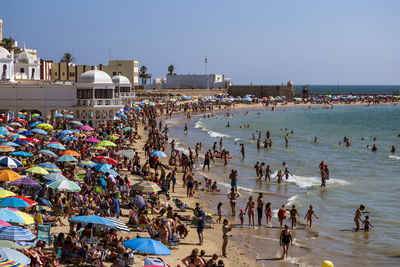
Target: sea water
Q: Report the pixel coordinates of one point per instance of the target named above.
(357, 176)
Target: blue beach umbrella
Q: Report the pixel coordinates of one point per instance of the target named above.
(147, 245)
(67, 132)
(8, 253)
(56, 146)
(21, 154)
(10, 162)
(13, 202)
(66, 158)
(158, 154)
(16, 233)
(58, 115)
(20, 141)
(45, 202)
(26, 133)
(93, 219)
(35, 124)
(48, 152)
(69, 116)
(69, 138)
(39, 131)
(102, 166)
(87, 163)
(49, 167)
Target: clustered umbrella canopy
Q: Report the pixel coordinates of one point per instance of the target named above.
(64, 185)
(146, 187)
(16, 233)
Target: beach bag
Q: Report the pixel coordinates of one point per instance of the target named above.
(98, 189)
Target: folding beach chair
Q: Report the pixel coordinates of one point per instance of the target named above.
(44, 233)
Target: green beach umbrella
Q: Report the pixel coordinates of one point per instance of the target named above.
(106, 143)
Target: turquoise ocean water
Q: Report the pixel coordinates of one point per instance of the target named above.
(358, 175)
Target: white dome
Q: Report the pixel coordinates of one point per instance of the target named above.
(122, 80)
(4, 53)
(95, 76)
(25, 57)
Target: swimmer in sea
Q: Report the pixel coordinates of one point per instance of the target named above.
(309, 216)
(287, 173)
(268, 173)
(393, 150)
(293, 216)
(367, 224)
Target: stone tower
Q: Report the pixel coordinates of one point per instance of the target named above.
(1, 30)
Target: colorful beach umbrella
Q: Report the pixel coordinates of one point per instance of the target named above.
(105, 159)
(10, 263)
(10, 162)
(87, 163)
(48, 153)
(64, 185)
(13, 202)
(50, 167)
(9, 175)
(66, 158)
(8, 243)
(112, 137)
(70, 153)
(158, 154)
(38, 170)
(3, 224)
(55, 176)
(16, 233)
(93, 219)
(8, 253)
(56, 146)
(25, 181)
(10, 144)
(21, 154)
(6, 193)
(106, 143)
(147, 245)
(4, 148)
(146, 187)
(92, 140)
(39, 131)
(45, 126)
(12, 215)
(86, 128)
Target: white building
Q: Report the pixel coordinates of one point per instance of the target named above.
(6, 65)
(196, 81)
(123, 89)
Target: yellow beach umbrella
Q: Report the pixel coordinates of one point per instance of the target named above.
(98, 147)
(25, 216)
(106, 143)
(6, 193)
(112, 137)
(45, 126)
(4, 148)
(9, 175)
(38, 170)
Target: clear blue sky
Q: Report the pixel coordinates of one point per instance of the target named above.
(259, 41)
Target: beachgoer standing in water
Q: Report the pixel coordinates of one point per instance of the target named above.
(367, 224)
(268, 213)
(281, 215)
(285, 240)
(309, 215)
(232, 197)
(293, 216)
(250, 207)
(234, 180)
(357, 218)
(242, 150)
(185, 130)
(260, 205)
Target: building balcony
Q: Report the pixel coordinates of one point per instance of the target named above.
(99, 102)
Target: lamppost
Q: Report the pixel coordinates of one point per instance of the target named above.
(205, 66)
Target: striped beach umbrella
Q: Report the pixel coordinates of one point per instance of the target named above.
(10, 162)
(16, 233)
(4, 148)
(12, 215)
(8, 253)
(6, 193)
(8, 243)
(50, 167)
(25, 181)
(147, 187)
(64, 185)
(119, 225)
(10, 263)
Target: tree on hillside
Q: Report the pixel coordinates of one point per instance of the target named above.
(67, 57)
(144, 75)
(171, 69)
(9, 44)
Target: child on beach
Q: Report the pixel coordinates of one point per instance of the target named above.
(241, 217)
(367, 224)
(309, 215)
(268, 213)
(219, 210)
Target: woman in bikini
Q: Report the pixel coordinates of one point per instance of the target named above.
(268, 213)
(225, 230)
(285, 240)
(250, 206)
(309, 216)
(232, 197)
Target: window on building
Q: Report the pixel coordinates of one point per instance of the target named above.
(55, 73)
(72, 74)
(63, 74)
(84, 93)
(33, 74)
(125, 89)
(114, 73)
(3, 76)
(22, 70)
(103, 93)
(50, 72)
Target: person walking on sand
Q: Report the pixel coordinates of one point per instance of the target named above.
(260, 205)
(232, 197)
(201, 218)
(250, 207)
(285, 240)
(357, 218)
(225, 230)
(293, 216)
(206, 161)
(309, 216)
(281, 215)
(268, 213)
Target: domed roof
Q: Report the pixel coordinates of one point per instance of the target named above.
(25, 57)
(119, 79)
(94, 76)
(4, 53)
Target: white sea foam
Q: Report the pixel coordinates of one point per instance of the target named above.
(394, 157)
(217, 134)
(291, 200)
(180, 147)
